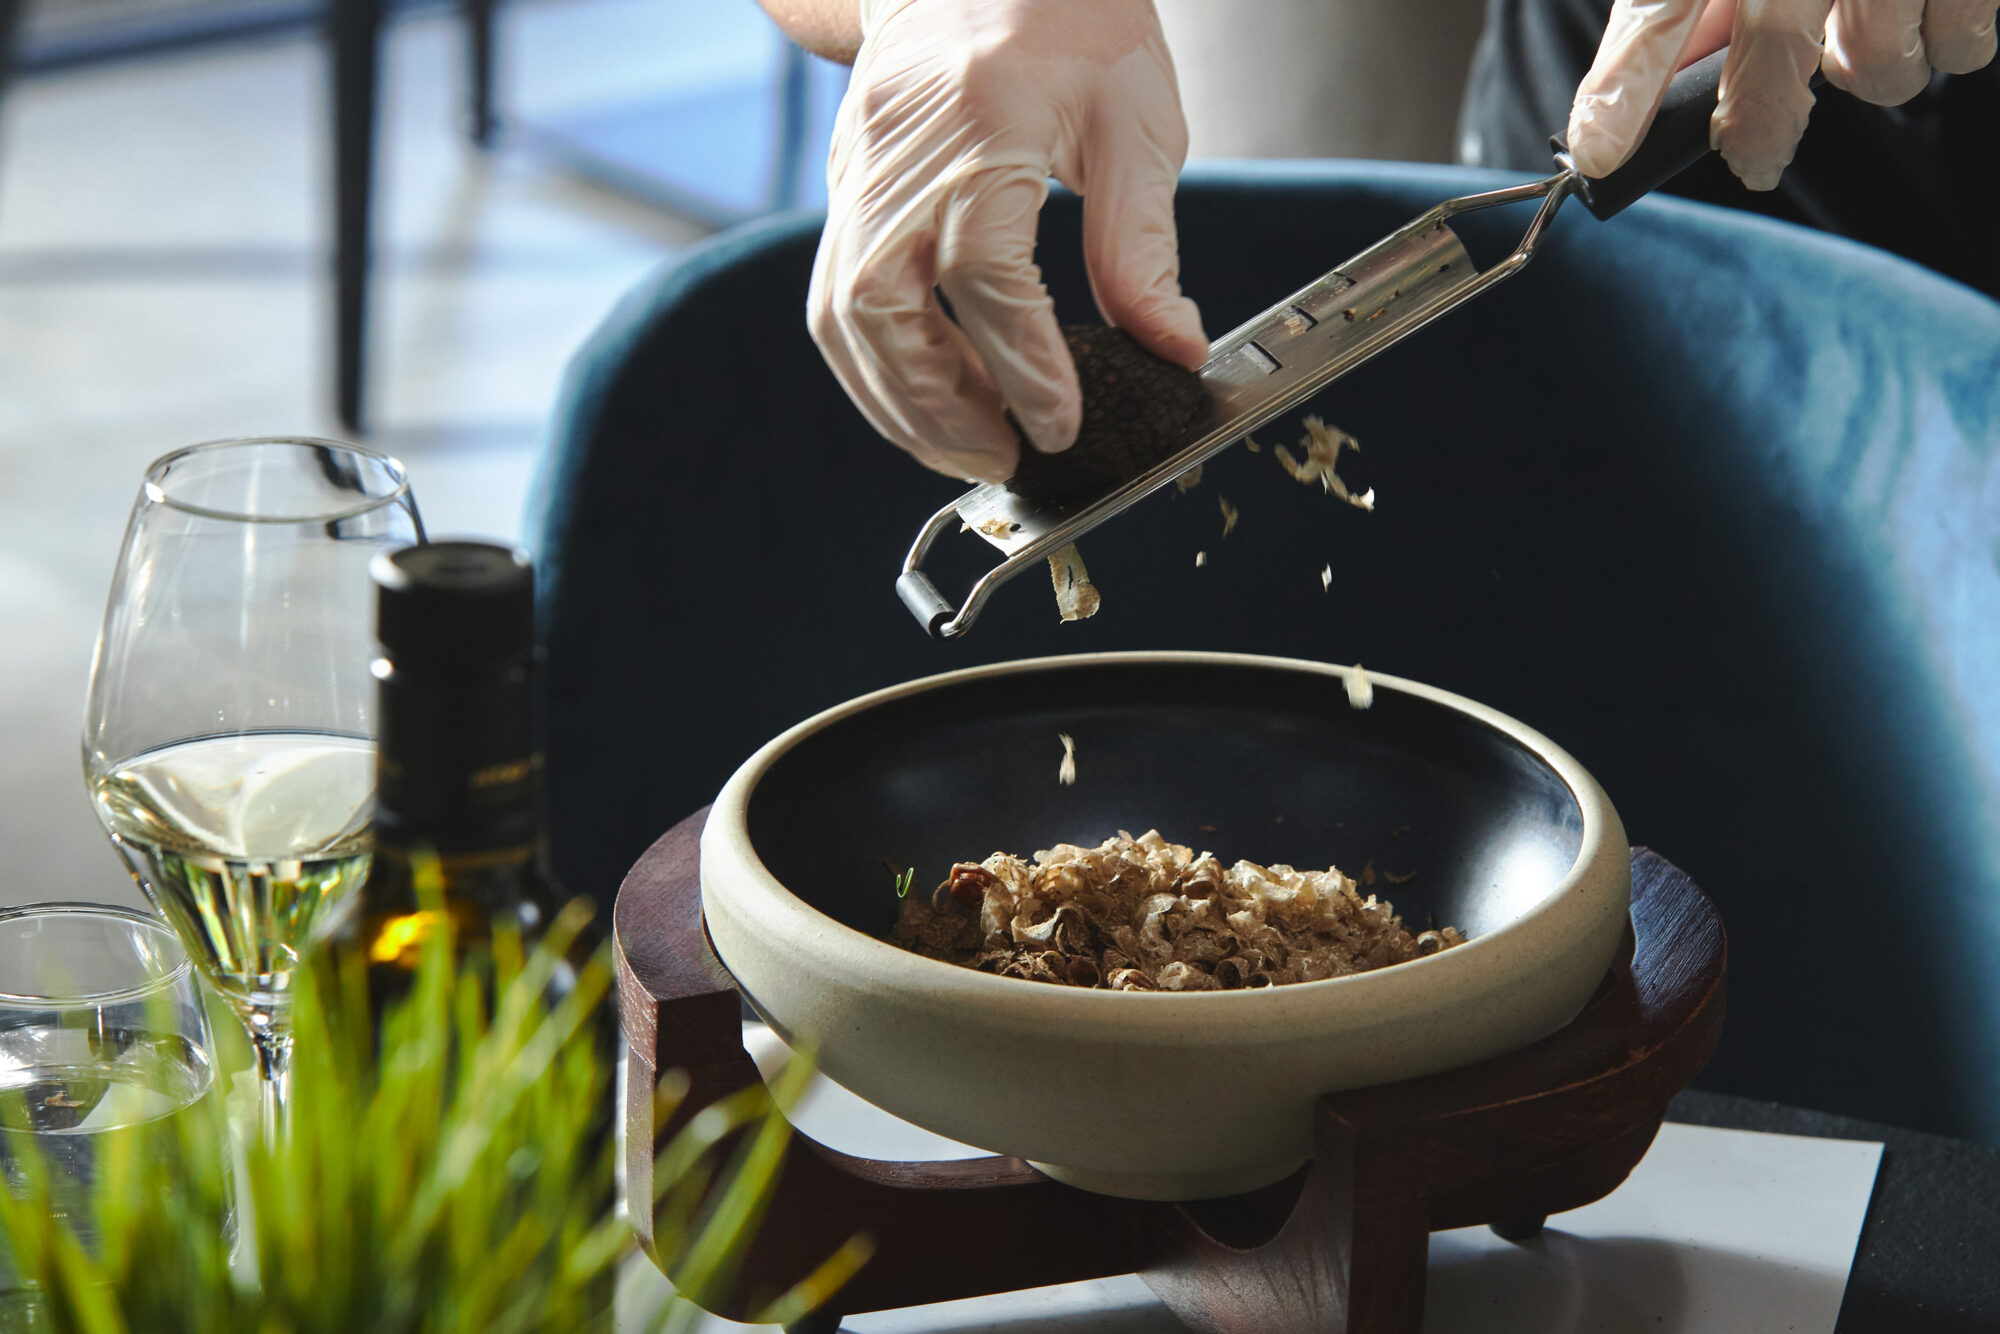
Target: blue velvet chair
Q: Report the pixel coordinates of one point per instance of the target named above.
(1712, 501)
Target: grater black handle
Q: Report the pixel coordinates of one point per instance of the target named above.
(1677, 140)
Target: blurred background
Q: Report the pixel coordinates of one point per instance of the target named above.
(171, 184)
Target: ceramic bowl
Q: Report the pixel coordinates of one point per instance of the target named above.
(1487, 825)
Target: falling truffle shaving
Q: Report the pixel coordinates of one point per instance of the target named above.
(1076, 597)
(1322, 444)
(1360, 690)
(1143, 914)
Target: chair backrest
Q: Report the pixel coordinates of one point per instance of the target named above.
(1713, 502)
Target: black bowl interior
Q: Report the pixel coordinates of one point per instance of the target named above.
(1246, 760)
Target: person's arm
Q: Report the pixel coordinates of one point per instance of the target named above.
(828, 28)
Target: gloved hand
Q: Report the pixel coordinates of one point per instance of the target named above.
(957, 114)
(1882, 51)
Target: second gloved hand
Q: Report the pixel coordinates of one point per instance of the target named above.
(958, 113)
(1882, 51)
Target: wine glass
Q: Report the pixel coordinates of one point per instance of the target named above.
(102, 1039)
(227, 732)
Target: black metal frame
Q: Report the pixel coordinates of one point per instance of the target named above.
(140, 38)
(354, 39)
(10, 20)
(353, 34)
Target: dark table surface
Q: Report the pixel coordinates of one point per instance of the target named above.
(1929, 1257)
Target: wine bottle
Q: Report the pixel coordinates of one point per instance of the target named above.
(458, 767)
(459, 829)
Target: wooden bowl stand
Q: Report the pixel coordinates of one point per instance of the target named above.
(1337, 1248)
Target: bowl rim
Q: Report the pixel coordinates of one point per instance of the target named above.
(874, 962)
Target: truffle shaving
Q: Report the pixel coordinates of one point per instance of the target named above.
(1322, 444)
(1360, 690)
(1076, 596)
(1143, 914)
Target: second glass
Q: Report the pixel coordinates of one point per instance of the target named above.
(104, 1051)
(227, 735)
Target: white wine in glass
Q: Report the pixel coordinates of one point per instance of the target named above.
(227, 740)
(246, 843)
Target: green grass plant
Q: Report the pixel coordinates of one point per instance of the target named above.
(462, 1184)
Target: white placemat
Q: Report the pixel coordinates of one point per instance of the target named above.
(1716, 1232)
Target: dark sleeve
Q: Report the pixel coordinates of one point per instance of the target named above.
(1917, 180)
(1530, 57)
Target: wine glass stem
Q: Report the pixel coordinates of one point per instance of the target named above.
(274, 1080)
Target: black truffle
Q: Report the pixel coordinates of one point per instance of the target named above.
(1135, 410)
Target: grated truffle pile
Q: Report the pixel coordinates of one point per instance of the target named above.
(1143, 914)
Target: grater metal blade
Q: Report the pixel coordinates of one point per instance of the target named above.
(1260, 370)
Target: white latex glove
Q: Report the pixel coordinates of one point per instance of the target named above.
(957, 114)
(1882, 51)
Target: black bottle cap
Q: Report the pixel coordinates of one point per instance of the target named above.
(464, 602)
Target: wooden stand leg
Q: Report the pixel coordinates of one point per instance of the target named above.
(1338, 1248)
(1388, 1242)
(1348, 1256)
